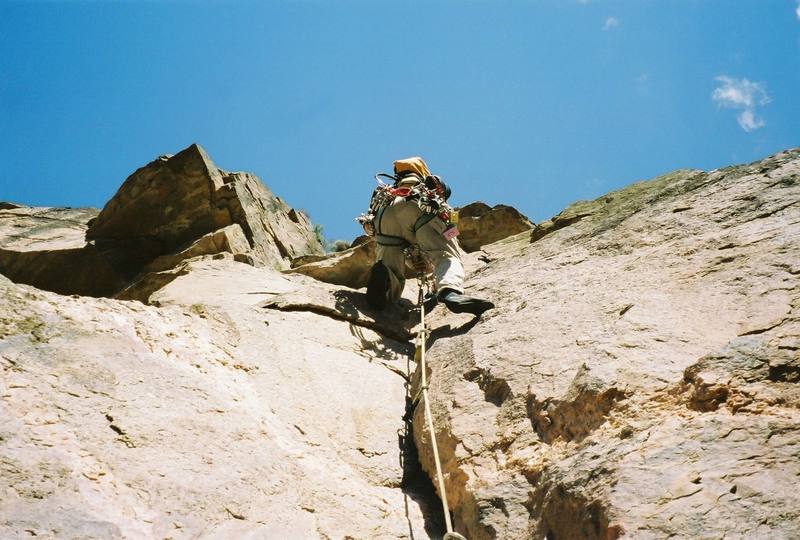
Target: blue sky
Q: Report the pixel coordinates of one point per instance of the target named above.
(529, 103)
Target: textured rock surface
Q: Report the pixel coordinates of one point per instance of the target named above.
(168, 204)
(349, 267)
(209, 417)
(171, 210)
(481, 224)
(26, 228)
(640, 377)
(46, 247)
(640, 374)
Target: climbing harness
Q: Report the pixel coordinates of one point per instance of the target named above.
(431, 201)
(419, 356)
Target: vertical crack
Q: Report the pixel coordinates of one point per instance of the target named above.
(416, 484)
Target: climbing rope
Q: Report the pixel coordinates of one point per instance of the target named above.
(419, 356)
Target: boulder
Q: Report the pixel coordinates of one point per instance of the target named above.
(166, 206)
(480, 224)
(349, 267)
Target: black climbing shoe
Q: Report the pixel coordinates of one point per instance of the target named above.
(430, 301)
(459, 303)
(378, 286)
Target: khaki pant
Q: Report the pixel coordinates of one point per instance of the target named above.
(398, 219)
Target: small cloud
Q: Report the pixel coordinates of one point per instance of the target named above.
(748, 120)
(797, 11)
(611, 22)
(742, 94)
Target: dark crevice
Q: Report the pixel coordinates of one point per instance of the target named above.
(122, 435)
(416, 484)
(761, 330)
(784, 373)
(281, 248)
(495, 389)
(775, 211)
(566, 514)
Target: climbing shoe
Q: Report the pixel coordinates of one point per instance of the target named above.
(459, 303)
(378, 286)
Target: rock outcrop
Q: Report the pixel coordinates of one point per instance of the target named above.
(349, 267)
(639, 377)
(481, 224)
(171, 210)
(171, 204)
(46, 247)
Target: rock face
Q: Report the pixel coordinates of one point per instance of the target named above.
(350, 267)
(173, 202)
(207, 417)
(481, 224)
(46, 247)
(173, 209)
(640, 377)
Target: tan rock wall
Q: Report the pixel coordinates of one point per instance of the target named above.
(640, 374)
(639, 378)
(209, 417)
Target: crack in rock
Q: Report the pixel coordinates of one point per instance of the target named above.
(392, 332)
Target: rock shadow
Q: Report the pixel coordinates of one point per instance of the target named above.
(416, 484)
(447, 331)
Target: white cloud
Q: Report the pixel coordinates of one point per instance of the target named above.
(797, 11)
(748, 120)
(611, 22)
(744, 95)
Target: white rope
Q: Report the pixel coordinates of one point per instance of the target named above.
(421, 338)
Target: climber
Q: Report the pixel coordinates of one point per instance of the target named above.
(414, 211)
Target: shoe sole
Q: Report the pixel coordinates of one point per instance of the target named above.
(473, 307)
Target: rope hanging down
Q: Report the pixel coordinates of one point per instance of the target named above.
(422, 336)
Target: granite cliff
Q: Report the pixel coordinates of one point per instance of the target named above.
(166, 373)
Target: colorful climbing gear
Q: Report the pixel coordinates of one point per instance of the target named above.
(428, 195)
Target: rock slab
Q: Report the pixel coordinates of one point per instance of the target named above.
(639, 377)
